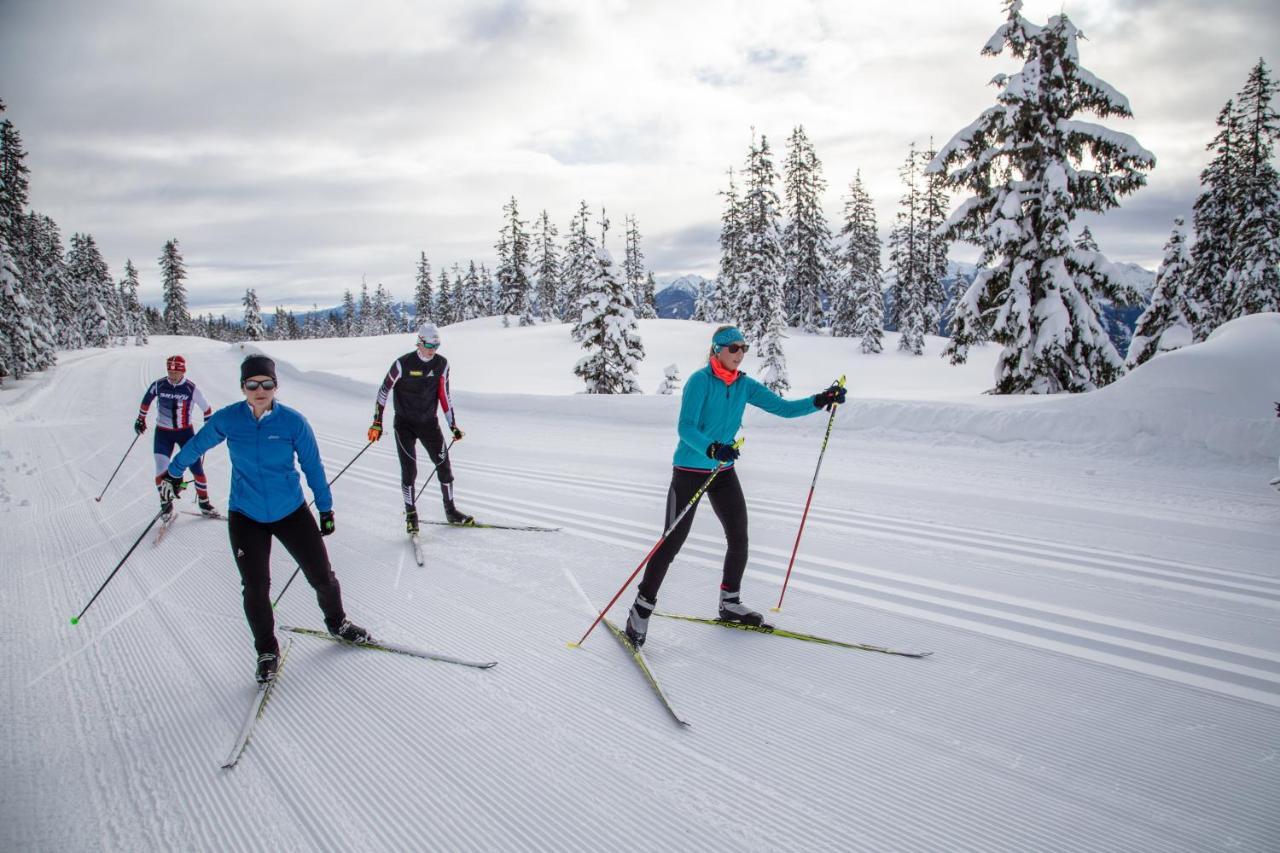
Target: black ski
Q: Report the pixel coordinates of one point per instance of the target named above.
(391, 647)
(255, 710)
(217, 516)
(481, 524)
(638, 657)
(795, 635)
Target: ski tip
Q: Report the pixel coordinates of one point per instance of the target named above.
(75, 620)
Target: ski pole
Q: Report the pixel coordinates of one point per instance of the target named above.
(117, 471)
(804, 516)
(693, 500)
(433, 471)
(75, 620)
(298, 568)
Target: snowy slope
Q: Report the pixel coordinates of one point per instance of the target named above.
(1095, 575)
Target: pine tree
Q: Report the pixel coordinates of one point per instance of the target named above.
(858, 305)
(488, 292)
(1025, 160)
(546, 265)
(347, 322)
(724, 303)
(671, 381)
(132, 307)
(579, 261)
(634, 273)
(173, 272)
(934, 201)
(1166, 324)
(1253, 275)
(907, 264)
(41, 271)
(1098, 282)
(424, 304)
(513, 268)
(474, 301)
(608, 331)
(703, 303)
(384, 321)
(19, 350)
(364, 310)
(89, 278)
(444, 302)
(760, 268)
(1215, 210)
(253, 328)
(806, 240)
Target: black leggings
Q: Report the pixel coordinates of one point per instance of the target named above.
(408, 433)
(730, 507)
(251, 545)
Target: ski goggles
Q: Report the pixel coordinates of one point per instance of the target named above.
(254, 385)
(427, 345)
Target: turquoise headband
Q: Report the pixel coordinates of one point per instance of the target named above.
(724, 337)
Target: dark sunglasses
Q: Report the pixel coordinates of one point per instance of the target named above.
(254, 384)
(737, 348)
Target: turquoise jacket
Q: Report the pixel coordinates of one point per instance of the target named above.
(711, 411)
(265, 484)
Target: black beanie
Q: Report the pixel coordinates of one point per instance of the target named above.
(257, 365)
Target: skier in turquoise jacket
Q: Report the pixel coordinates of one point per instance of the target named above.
(711, 409)
(263, 438)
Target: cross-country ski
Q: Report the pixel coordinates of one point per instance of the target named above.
(766, 628)
(256, 707)
(384, 646)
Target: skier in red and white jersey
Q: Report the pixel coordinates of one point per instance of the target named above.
(177, 396)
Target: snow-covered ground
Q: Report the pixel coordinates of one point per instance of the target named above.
(1096, 576)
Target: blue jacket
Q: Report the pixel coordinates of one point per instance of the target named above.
(264, 481)
(712, 411)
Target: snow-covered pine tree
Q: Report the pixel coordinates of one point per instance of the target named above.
(1098, 282)
(173, 272)
(1214, 212)
(725, 301)
(137, 320)
(348, 319)
(424, 303)
(18, 347)
(444, 314)
(475, 302)
(907, 260)
(489, 293)
(278, 332)
(703, 303)
(253, 327)
(649, 297)
(760, 267)
(858, 304)
(1253, 275)
(1166, 324)
(579, 261)
(546, 267)
(42, 275)
(671, 381)
(607, 329)
(1032, 166)
(634, 273)
(932, 216)
(384, 319)
(85, 271)
(806, 240)
(514, 287)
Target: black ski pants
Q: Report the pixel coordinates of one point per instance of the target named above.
(408, 433)
(730, 507)
(300, 536)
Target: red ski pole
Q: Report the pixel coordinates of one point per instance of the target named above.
(830, 421)
(693, 500)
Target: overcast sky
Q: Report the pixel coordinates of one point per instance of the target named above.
(294, 147)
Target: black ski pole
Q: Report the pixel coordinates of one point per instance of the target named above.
(433, 472)
(117, 471)
(75, 620)
(298, 568)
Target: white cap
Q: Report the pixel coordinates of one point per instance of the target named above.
(428, 333)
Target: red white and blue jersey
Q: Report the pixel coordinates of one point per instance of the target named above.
(176, 403)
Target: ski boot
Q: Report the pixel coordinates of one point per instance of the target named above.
(207, 509)
(454, 516)
(268, 666)
(733, 610)
(411, 521)
(166, 511)
(638, 621)
(351, 632)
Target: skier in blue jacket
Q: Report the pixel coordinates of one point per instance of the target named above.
(710, 416)
(263, 438)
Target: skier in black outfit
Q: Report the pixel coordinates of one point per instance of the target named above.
(419, 383)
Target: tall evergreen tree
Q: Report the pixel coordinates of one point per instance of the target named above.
(1214, 213)
(1098, 283)
(546, 266)
(384, 320)
(489, 292)
(607, 329)
(907, 264)
(366, 324)
(514, 287)
(475, 302)
(424, 303)
(88, 275)
(1032, 166)
(806, 239)
(858, 305)
(42, 277)
(444, 301)
(19, 351)
(137, 324)
(349, 319)
(634, 273)
(724, 304)
(579, 265)
(1253, 276)
(173, 273)
(934, 201)
(253, 326)
(760, 269)
(1166, 324)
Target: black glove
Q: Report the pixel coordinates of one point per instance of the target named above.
(723, 453)
(327, 524)
(833, 396)
(457, 434)
(140, 425)
(170, 487)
